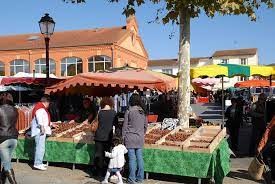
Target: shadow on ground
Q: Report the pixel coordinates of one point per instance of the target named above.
(215, 108)
(210, 117)
(240, 175)
(212, 112)
(211, 105)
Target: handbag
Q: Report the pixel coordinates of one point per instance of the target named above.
(256, 169)
(94, 124)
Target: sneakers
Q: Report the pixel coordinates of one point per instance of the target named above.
(104, 182)
(40, 167)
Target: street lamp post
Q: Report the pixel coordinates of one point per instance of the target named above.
(47, 25)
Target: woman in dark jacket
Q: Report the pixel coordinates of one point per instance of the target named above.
(134, 129)
(103, 134)
(8, 136)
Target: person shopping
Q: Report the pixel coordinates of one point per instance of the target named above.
(8, 136)
(234, 121)
(40, 128)
(133, 131)
(258, 123)
(117, 160)
(104, 134)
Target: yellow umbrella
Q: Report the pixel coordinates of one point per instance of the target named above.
(209, 71)
(262, 70)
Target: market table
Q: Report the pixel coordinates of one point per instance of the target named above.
(199, 165)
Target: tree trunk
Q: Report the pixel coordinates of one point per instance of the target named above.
(184, 69)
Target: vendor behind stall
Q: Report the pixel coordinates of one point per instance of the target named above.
(88, 112)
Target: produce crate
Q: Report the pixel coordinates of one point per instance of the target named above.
(175, 139)
(67, 128)
(152, 126)
(154, 135)
(205, 139)
(84, 137)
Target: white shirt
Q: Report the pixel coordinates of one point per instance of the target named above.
(117, 159)
(116, 103)
(42, 119)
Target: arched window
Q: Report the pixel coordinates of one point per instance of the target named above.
(2, 69)
(71, 66)
(40, 66)
(99, 63)
(19, 65)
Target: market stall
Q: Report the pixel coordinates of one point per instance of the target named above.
(200, 153)
(254, 83)
(230, 70)
(115, 80)
(22, 87)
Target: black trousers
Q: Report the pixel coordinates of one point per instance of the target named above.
(101, 162)
(234, 137)
(256, 136)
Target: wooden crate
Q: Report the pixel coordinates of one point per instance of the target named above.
(152, 126)
(154, 146)
(212, 135)
(178, 144)
(70, 130)
(85, 137)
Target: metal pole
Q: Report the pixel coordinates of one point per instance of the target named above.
(222, 103)
(47, 40)
(19, 94)
(270, 85)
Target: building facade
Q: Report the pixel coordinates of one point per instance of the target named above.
(170, 66)
(74, 52)
(238, 56)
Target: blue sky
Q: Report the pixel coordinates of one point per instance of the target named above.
(207, 35)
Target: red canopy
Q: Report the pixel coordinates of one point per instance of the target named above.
(126, 78)
(254, 83)
(27, 80)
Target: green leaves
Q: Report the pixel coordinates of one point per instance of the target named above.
(194, 7)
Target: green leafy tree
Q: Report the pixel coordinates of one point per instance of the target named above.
(181, 12)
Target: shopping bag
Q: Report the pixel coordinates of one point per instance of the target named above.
(256, 169)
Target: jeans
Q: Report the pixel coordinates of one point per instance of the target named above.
(6, 149)
(136, 168)
(40, 141)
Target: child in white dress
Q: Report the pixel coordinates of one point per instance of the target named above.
(117, 160)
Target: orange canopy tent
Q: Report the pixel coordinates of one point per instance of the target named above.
(253, 83)
(124, 78)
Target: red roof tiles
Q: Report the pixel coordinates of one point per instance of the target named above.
(73, 38)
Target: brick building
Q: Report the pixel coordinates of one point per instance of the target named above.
(73, 52)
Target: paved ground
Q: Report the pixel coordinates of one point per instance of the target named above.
(61, 175)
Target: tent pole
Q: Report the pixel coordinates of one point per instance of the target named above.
(270, 85)
(19, 94)
(222, 126)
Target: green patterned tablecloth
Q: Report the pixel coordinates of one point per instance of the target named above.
(200, 165)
